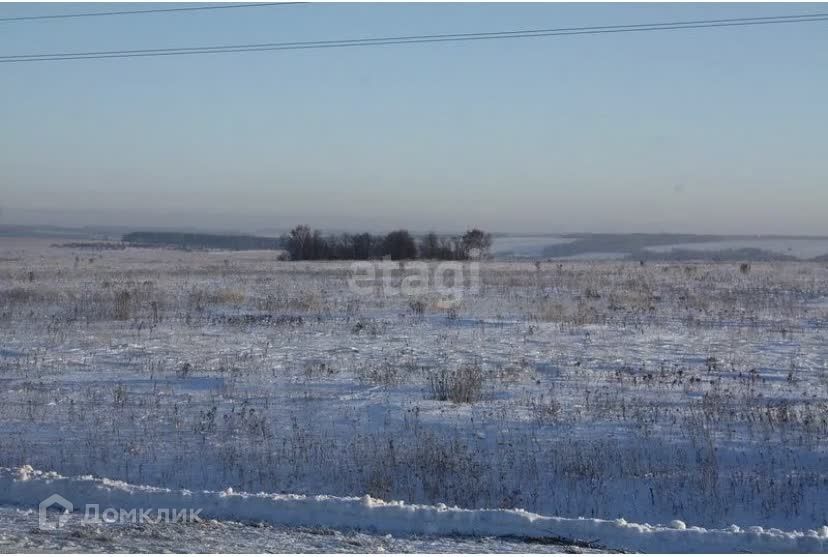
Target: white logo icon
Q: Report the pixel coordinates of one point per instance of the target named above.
(54, 500)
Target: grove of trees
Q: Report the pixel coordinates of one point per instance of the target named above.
(305, 243)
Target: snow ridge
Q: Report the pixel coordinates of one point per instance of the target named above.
(28, 487)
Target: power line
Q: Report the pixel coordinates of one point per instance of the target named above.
(150, 11)
(417, 39)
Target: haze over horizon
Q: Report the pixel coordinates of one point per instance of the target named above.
(711, 131)
(211, 220)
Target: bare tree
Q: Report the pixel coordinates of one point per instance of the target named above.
(399, 245)
(476, 239)
(430, 246)
(299, 242)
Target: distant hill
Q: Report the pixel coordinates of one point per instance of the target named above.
(682, 247)
(621, 243)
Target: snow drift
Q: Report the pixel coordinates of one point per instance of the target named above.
(28, 487)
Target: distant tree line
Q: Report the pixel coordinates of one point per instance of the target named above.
(305, 243)
(188, 240)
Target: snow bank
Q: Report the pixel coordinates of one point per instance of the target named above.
(27, 487)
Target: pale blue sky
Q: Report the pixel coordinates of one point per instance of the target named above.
(710, 130)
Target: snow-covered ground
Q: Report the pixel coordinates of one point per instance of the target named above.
(608, 390)
(19, 533)
(25, 486)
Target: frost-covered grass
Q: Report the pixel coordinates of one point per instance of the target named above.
(608, 390)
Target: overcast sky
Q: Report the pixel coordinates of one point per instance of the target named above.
(711, 130)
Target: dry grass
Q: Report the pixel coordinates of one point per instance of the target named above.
(463, 385)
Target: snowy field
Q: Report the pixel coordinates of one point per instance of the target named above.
(653, 394)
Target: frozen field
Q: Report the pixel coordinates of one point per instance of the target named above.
(606, 390)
